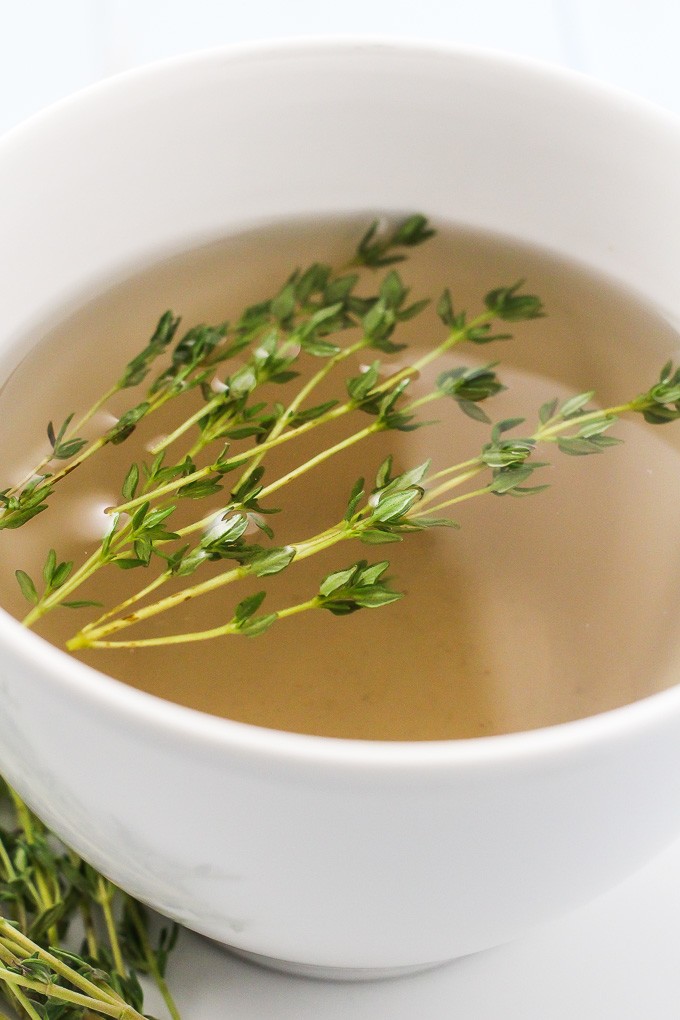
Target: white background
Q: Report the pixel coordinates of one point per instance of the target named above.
(619, 958)
(49, 48)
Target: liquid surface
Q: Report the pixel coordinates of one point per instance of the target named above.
(536, 612)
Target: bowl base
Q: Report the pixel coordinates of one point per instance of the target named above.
(323, 973)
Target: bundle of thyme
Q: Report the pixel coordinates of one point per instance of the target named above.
(225, 440)
(48, 896)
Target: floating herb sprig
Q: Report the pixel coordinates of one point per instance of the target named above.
(310, 307)
(306, 318)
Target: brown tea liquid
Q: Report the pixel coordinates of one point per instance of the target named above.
(537, 611)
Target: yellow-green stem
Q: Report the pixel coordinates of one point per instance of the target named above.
(90, 933)
(546, 431)
(192, 420)
(150, 958)
(207, 437)
(136, 597)
(23, 947)
(24, 1002)
(78, 577)
(453, 469)
(72, 431)
(331, 451)
(460, 499)
(42, 894)
(105, 894)
(10, 876)
(204, 635)
(89, 637)
(453, 338)
(85, 638)
(6, 862)
(439, 490)
(119, 1010)
(302, 395)
(374, 427)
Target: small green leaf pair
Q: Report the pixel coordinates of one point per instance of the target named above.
(360, 586)
(55, 575)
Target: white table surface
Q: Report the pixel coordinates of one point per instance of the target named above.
(619, 957)
(616, 959)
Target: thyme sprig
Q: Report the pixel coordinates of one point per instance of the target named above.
(237, 424)
(311, 306)
(411, 501)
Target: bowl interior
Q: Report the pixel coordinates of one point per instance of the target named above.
(230, 142)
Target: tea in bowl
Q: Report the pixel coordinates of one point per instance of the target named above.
(388, 789)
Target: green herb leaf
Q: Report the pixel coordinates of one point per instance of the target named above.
(27, 586)
(511, 306)
(272, 561)
(574, 406)
(547, 411)
(131, 482)
(360, 586)
(248, 606)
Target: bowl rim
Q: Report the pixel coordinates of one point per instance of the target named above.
(164, 718)
(295, 46)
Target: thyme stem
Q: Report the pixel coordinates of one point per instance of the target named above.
(56, 991)
(204, 635)
(454, 337)
(105, 894)
(150, 958)
(89, 636)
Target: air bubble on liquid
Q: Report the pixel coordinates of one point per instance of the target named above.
(292, 349)
(20, 474)
(251, 527)
(101, 422)
(88, 516)
(394, 365)
(218, 524)
(155, 441)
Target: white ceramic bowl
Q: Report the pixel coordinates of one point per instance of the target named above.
(324, 853)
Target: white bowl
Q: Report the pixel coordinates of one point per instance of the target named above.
(326, 854)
